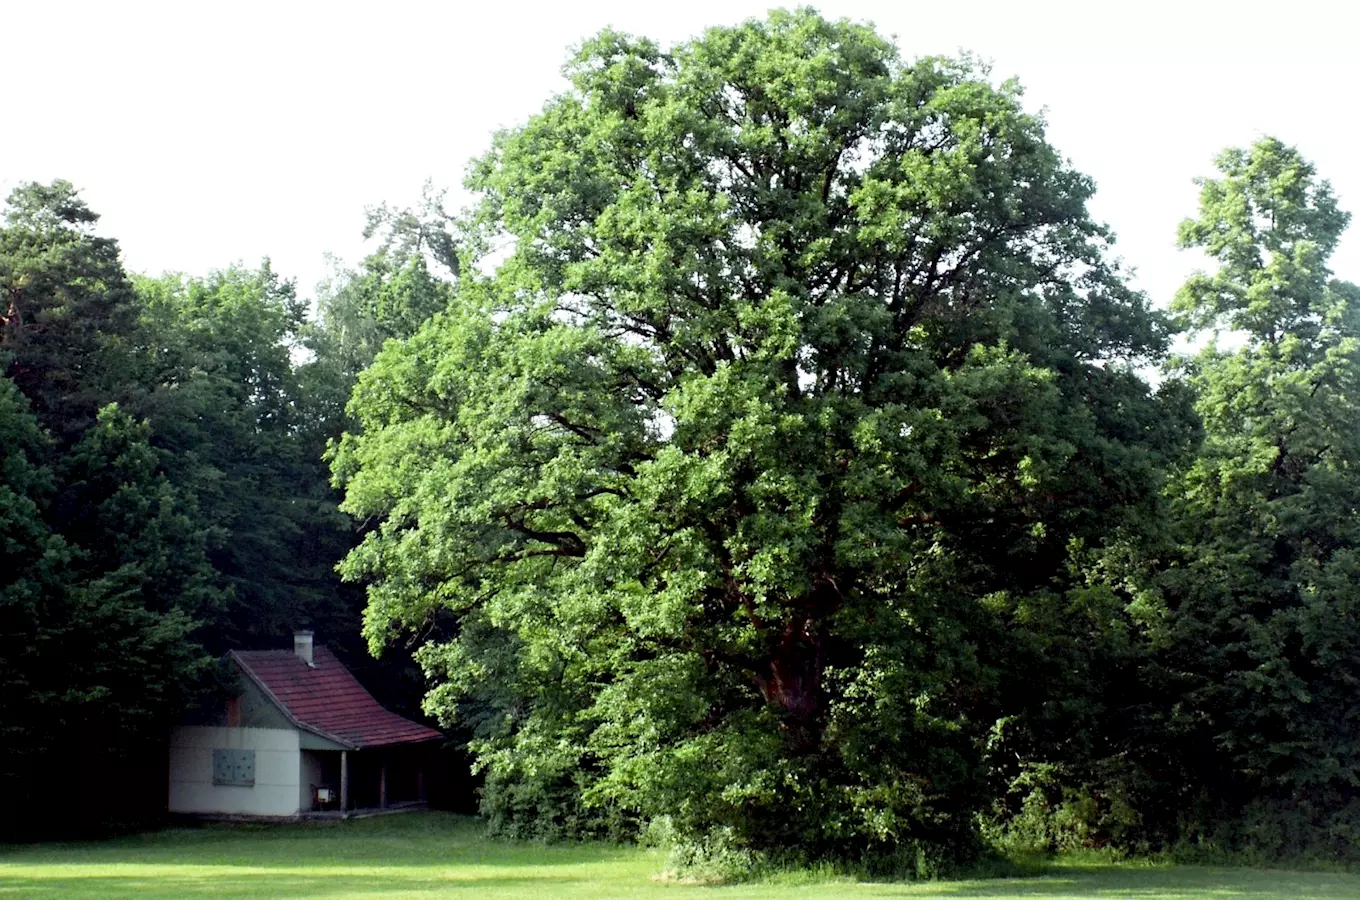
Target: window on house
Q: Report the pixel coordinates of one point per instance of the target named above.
(234, 712)
(235, 768)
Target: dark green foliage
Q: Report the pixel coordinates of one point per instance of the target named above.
(735, 494)
(105, 577)
(393, 292)
(1226, 725)
(240, 432)
(105, 581)
(425, 233)
(764, 465)
(388, 298)
(35, 560)
(1261, 638)
(139, 544)
(67, 310)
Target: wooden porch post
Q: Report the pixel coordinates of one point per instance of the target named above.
(382, 784)
(420, 780)
(344, 784)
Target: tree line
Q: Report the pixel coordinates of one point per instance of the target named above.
(773, 460)
(165, 497)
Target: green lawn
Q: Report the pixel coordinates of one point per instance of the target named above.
(435, 855)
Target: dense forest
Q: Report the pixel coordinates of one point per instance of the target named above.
(165, 495)
(772, 460)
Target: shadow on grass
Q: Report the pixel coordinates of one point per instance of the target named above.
(273, 884)
(434, 854)
(1168, 883)
(420, 854)
(415, 839)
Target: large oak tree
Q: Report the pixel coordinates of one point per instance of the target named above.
(783, 378)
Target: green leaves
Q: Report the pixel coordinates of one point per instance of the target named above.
(105, 583)
(1271, 225)
(795, 351)
(240, 427)
(66, 308)
(1262, 626)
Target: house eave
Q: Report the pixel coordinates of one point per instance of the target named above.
(287, 714)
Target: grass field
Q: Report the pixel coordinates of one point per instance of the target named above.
(435, 855)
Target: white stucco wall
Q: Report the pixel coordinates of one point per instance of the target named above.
(278, 769)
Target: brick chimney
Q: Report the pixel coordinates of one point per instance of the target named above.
(302, 647)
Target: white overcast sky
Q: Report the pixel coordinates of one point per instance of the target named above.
(213, 132)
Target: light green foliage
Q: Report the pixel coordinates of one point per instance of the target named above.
(804, 375)
(389, 297)
(1262, 640)
(434, 856)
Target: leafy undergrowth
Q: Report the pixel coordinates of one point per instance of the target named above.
(436, 855)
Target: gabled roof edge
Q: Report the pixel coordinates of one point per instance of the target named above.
(283, 708)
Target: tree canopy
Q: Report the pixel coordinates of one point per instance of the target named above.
(1262, 636)
(772, 460)
(806, 368)
(69, 308)
(164, 499)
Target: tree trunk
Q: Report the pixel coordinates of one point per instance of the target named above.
(793, 681)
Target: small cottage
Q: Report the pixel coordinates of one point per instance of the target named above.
(301, 737)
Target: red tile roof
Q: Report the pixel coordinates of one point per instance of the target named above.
(327, 700)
